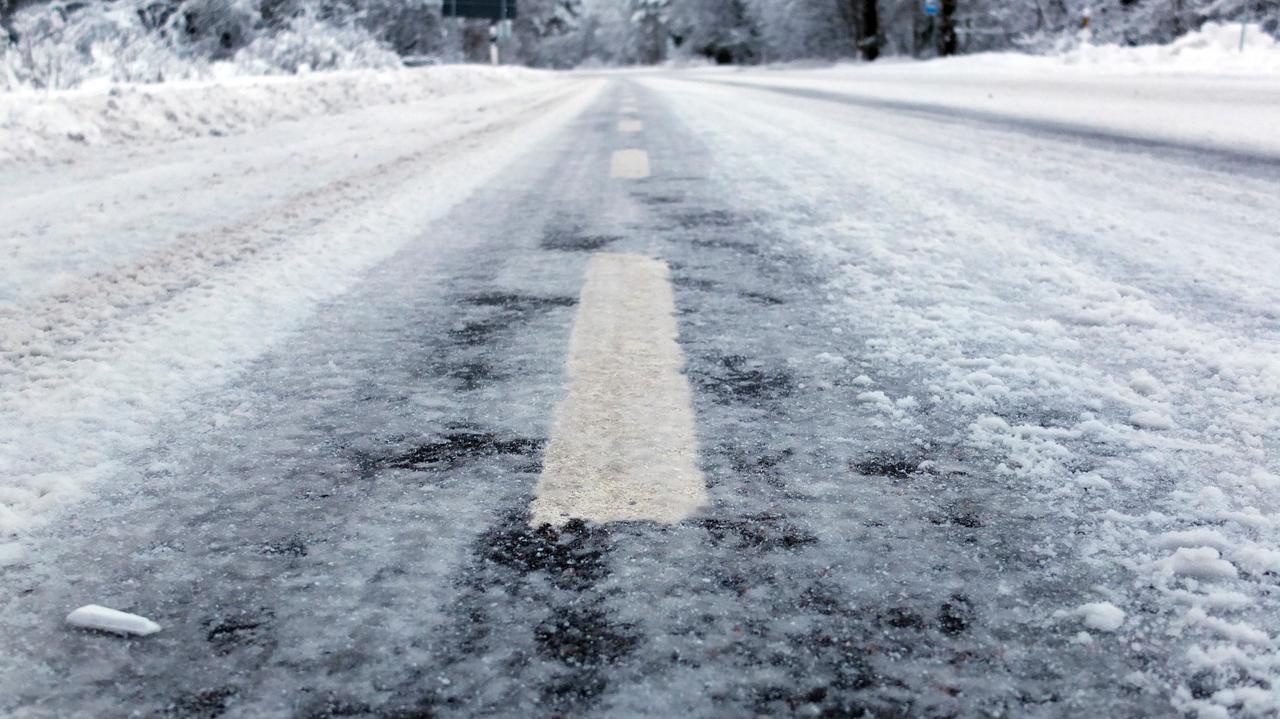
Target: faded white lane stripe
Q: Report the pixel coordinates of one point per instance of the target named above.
(630, 126)
(623, 445)
(629, 164)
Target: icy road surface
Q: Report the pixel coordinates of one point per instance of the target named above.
(955, 417)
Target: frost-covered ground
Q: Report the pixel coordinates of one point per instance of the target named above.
(987, 402)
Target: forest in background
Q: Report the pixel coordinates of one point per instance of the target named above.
(66, 42)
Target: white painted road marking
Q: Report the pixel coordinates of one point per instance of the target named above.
(623, 446)
(629, 164)
(630, 126)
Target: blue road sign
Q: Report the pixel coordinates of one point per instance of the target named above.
(931, 7)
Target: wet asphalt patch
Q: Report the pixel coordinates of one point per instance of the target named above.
(518, 302)
(736, 378)
(490, 313)
(659, 199)
(964, 513)
(459, 446)
(551, 654)
(290, 547)
(204, 704)
(583, 637)
(710, 218)
(487, 318)
(575, 240)
(695, 283)
(893, 466)
(720, 243)
(227, 635)
(761, 298)
(757, 532)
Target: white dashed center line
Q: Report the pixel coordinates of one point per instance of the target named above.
(623, 446)
(629, 165)
(630, 126)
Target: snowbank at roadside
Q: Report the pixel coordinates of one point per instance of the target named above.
(1215, 50)
(53, 125)
(1199, 91)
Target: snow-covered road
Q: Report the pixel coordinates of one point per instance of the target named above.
(986, 412)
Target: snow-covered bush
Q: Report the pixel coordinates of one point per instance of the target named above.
(307, 43)
(69, 43)
(64, 45)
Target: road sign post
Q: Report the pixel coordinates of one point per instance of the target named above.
(495, 11)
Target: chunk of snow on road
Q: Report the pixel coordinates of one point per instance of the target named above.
(876, 397)
(1198, 537)
(1258, 559)
(1093, 481)
(92, 616)
(1150, 419)
(1143, 383)
(1200, 563)
(1236, 631)
(1102, 616)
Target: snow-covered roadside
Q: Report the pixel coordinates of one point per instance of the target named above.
(1199, 91)
(88, 371)
(58, 125)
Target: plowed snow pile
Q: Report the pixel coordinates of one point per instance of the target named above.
(53, 125)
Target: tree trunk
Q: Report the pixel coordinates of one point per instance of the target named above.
(947, 41)
(869, 30)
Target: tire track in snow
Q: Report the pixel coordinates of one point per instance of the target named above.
(70, 412)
